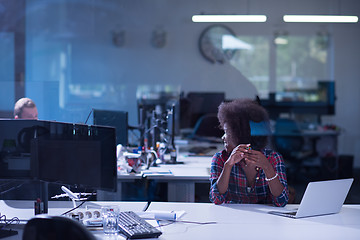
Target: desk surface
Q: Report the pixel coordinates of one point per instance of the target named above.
(181, 181)
(233, 221)
(193, 168)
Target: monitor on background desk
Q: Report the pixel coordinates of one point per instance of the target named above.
(65, 153)
(200, 104)
(117, 119)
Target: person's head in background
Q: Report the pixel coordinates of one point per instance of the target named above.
(240, 119)
(25, 108)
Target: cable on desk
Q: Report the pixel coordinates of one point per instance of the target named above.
(8, 222)
(82, 203)
(182, 221)
(200, 223)
(74, 208)
(147, 206)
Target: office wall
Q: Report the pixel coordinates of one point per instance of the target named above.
(347, 75)
(70, 49)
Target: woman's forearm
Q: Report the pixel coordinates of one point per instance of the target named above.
(276, 187)
(223, 181)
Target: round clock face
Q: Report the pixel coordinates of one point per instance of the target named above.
(211, 43)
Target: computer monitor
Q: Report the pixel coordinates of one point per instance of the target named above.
(117, 119)
(200, 104)
(65, 153)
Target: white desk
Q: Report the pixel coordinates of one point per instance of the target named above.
(242, 221)
(181, 184)
(233, 221)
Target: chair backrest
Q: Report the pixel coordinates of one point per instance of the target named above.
(287, 137)
(286, 126)
(287, 145)
(55, 228)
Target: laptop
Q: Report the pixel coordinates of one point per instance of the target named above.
(320, 198)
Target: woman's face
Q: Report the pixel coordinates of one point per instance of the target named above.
(229, 146)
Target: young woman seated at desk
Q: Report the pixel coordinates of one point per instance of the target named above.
(245, 171)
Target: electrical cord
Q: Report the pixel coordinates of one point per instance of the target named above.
(169, 222)
(8, 222)
(82, 203)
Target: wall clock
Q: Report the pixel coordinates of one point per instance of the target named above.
(211, 43)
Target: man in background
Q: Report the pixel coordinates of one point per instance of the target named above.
(25, 108)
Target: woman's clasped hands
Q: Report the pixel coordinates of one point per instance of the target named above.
(249, 156)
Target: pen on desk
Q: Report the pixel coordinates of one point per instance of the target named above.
(147, 206)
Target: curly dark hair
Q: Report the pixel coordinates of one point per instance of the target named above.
(237, 115)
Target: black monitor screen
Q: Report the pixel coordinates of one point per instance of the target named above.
(74, 154)
(117, 119)
(202, 103)
(67, 161)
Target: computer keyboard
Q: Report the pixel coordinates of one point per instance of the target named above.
(133, 226)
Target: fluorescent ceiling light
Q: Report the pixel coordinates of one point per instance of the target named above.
(320, 18)
(229, 18)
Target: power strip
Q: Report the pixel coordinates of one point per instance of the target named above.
(89, 217)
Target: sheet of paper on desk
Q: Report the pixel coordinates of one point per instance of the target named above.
(146, 173)
(153, 222)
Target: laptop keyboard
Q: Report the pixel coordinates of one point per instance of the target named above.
(290, 214)
(286, 214)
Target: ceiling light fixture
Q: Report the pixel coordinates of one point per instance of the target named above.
(229, 18)
(320, 18)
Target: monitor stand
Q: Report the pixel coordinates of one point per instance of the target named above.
(176, 162)
(44, 195)
(173, 156)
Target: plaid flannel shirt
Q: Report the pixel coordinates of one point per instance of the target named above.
(238, 192)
